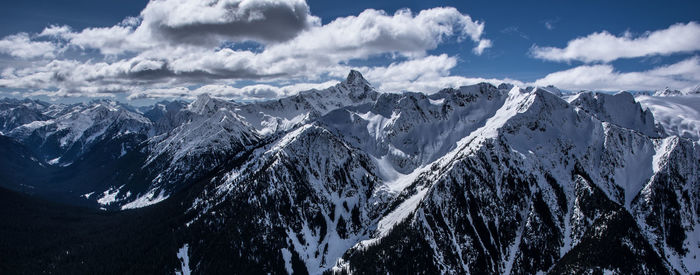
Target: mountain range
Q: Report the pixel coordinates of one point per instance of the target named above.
(349, 180)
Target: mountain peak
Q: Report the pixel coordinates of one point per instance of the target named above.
(205, 97)
(668, 92)
(621, 109)
(553, 90)
(206, 104)
(355, 78)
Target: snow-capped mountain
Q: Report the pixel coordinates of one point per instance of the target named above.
(63, 137)
(406, 131)
(269, 117)
(210, 132)
(477, 179)
(165, 115)
(668, 92)
(15, 113)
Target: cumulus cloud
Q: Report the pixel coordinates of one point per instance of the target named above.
(208, 22)
(186, 68)
(428, 74)
(112, 40)
(374, 32)
(370, 33)
(20, 45)
(683, 75)
(606, 47)
(67, 78)
(187, 43)
(55, 31)
(429, 67)
(250, 92)
(483, 44)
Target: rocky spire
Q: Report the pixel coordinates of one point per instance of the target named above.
(355, 78)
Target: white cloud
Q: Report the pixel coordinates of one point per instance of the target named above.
(209, 22)
(429, 67)
(178, 43)
(483, 44)
(74, 77)
(683, 75)
(20, 45)
(374, 32)
(251, 92)
(185, 23)
(605, 47)
(112, 40)
(429, 74)
(142, 78)
(55, 31)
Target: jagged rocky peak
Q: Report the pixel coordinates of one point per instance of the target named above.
(479, 88)
(358, 86)
(553, 90)
(206, 104)
(474, 90)
(104, 111)
(100, 110)
(672, 92)
(103, 101)
(29, 103)
(107, 105)
(201, 103)
(505, 86)
(157, 111)
(668, 92)
(621, 109)
(15, 113)
(550, 89)
(355, 78)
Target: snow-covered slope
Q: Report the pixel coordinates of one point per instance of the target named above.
(405, 131)
(307, 195)
(209, 131)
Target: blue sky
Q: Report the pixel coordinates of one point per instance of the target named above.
(177, 48)
(515, 26)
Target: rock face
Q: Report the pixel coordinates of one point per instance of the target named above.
(479, 179)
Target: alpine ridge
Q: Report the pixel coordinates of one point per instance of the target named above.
(478, 179)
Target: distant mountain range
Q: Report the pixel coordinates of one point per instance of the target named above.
(479, 179)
